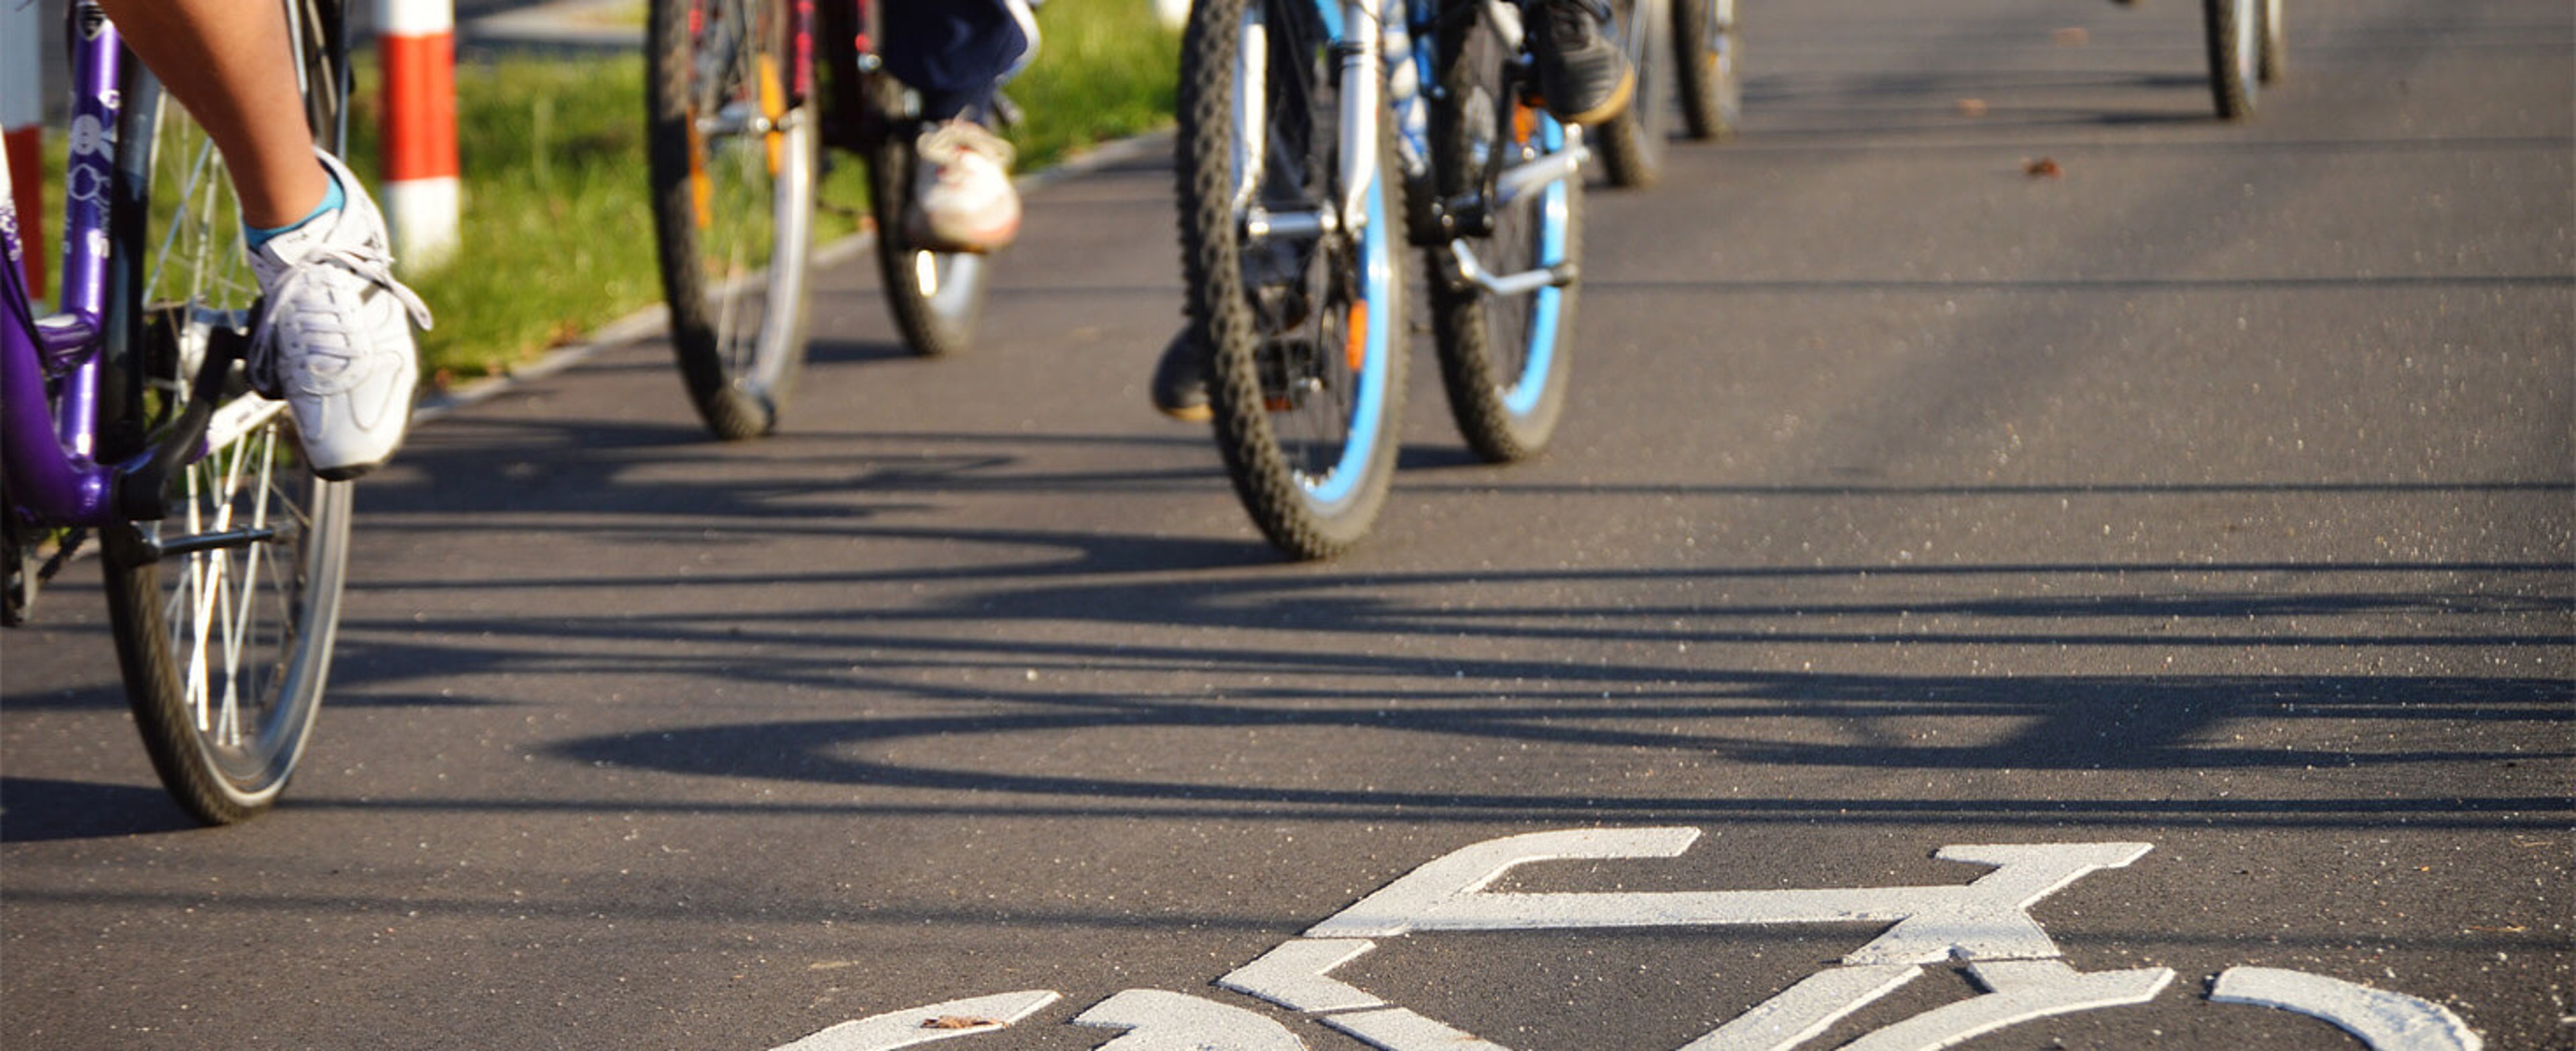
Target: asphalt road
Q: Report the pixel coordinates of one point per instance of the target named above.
(2212, 496)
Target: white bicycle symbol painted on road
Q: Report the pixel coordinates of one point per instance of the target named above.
(1985, 925)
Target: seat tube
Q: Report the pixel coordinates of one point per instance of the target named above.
(90, 186)
(1362, 50)
(50, 449)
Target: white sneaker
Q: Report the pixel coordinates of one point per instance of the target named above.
(334, 340)
(962, 198)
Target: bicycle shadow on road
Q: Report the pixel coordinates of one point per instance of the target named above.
(36, 810)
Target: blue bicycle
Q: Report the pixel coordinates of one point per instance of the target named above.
(128, 417)
(1318, 141)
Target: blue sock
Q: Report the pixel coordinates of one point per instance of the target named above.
(332, 199)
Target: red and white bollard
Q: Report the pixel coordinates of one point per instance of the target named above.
(22, 119)
(417, 41)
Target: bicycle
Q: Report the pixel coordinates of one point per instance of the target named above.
(742, 99)
(2246, 51)
(1698, 38)
(1309, 157)
(127, 414)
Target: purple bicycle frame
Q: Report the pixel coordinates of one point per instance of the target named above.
(48, 451)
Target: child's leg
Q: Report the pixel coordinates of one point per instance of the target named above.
(953, 52)
(230, 63)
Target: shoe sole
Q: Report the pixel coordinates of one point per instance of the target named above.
(917, 236)
(1607, 110)
(353, 472)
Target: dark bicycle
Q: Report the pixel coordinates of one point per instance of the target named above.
(1698, 39)
(742, 98)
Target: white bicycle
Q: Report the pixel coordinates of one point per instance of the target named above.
(1985, 924)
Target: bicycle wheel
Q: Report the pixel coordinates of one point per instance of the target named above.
(1633, 143)
(733, 145)
(1304, 317)
(936, 296)
(225, 612)
(1704, 67)
(1504, 354)
(2234, 55)
(2275, 49)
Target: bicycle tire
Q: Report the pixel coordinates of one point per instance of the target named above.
(2234, 56)
(225, 652)
(1308, 439)
(1633, 144)
(1705, 57)
(936, 296)
(1504, 360)
(734, 161)
(2274, 46)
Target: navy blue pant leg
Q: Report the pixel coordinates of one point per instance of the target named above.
(953, 52)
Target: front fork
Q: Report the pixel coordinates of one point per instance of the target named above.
(1363, 54)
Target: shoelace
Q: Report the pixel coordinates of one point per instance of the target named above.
(369, 264)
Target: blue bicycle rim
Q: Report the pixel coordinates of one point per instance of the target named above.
(1368, 411)
(1522, 398)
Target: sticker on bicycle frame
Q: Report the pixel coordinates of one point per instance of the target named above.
(1984, 924)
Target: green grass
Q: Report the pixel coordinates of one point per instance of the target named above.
(556, 236)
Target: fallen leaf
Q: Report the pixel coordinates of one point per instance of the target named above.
(958, 1022)
(1972, 107)
(2042, 168)
(2071, 37)
(2514, 929)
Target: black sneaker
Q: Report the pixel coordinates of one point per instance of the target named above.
(1580, 69)
(1180, 385)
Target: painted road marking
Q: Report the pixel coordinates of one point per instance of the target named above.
(1985, 923)
(1984, 920)
(2023, 990)
(921, 1025)
(2380, 1018)
(1161, 1021)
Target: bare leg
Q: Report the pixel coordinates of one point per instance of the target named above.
(230, 63)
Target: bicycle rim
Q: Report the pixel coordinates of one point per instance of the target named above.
(1504, 358)
(734, 164)
(1705, 65)
(2234, 55)
(1307, 331)
(1632, 146)
(936, 296)
(225, 651)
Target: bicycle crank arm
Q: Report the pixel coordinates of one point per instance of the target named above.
(143, 488)
(1262, 225)
(1523, 178)
(1470, 273)
(158, 549)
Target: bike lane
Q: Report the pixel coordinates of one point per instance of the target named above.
(1909, 503)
